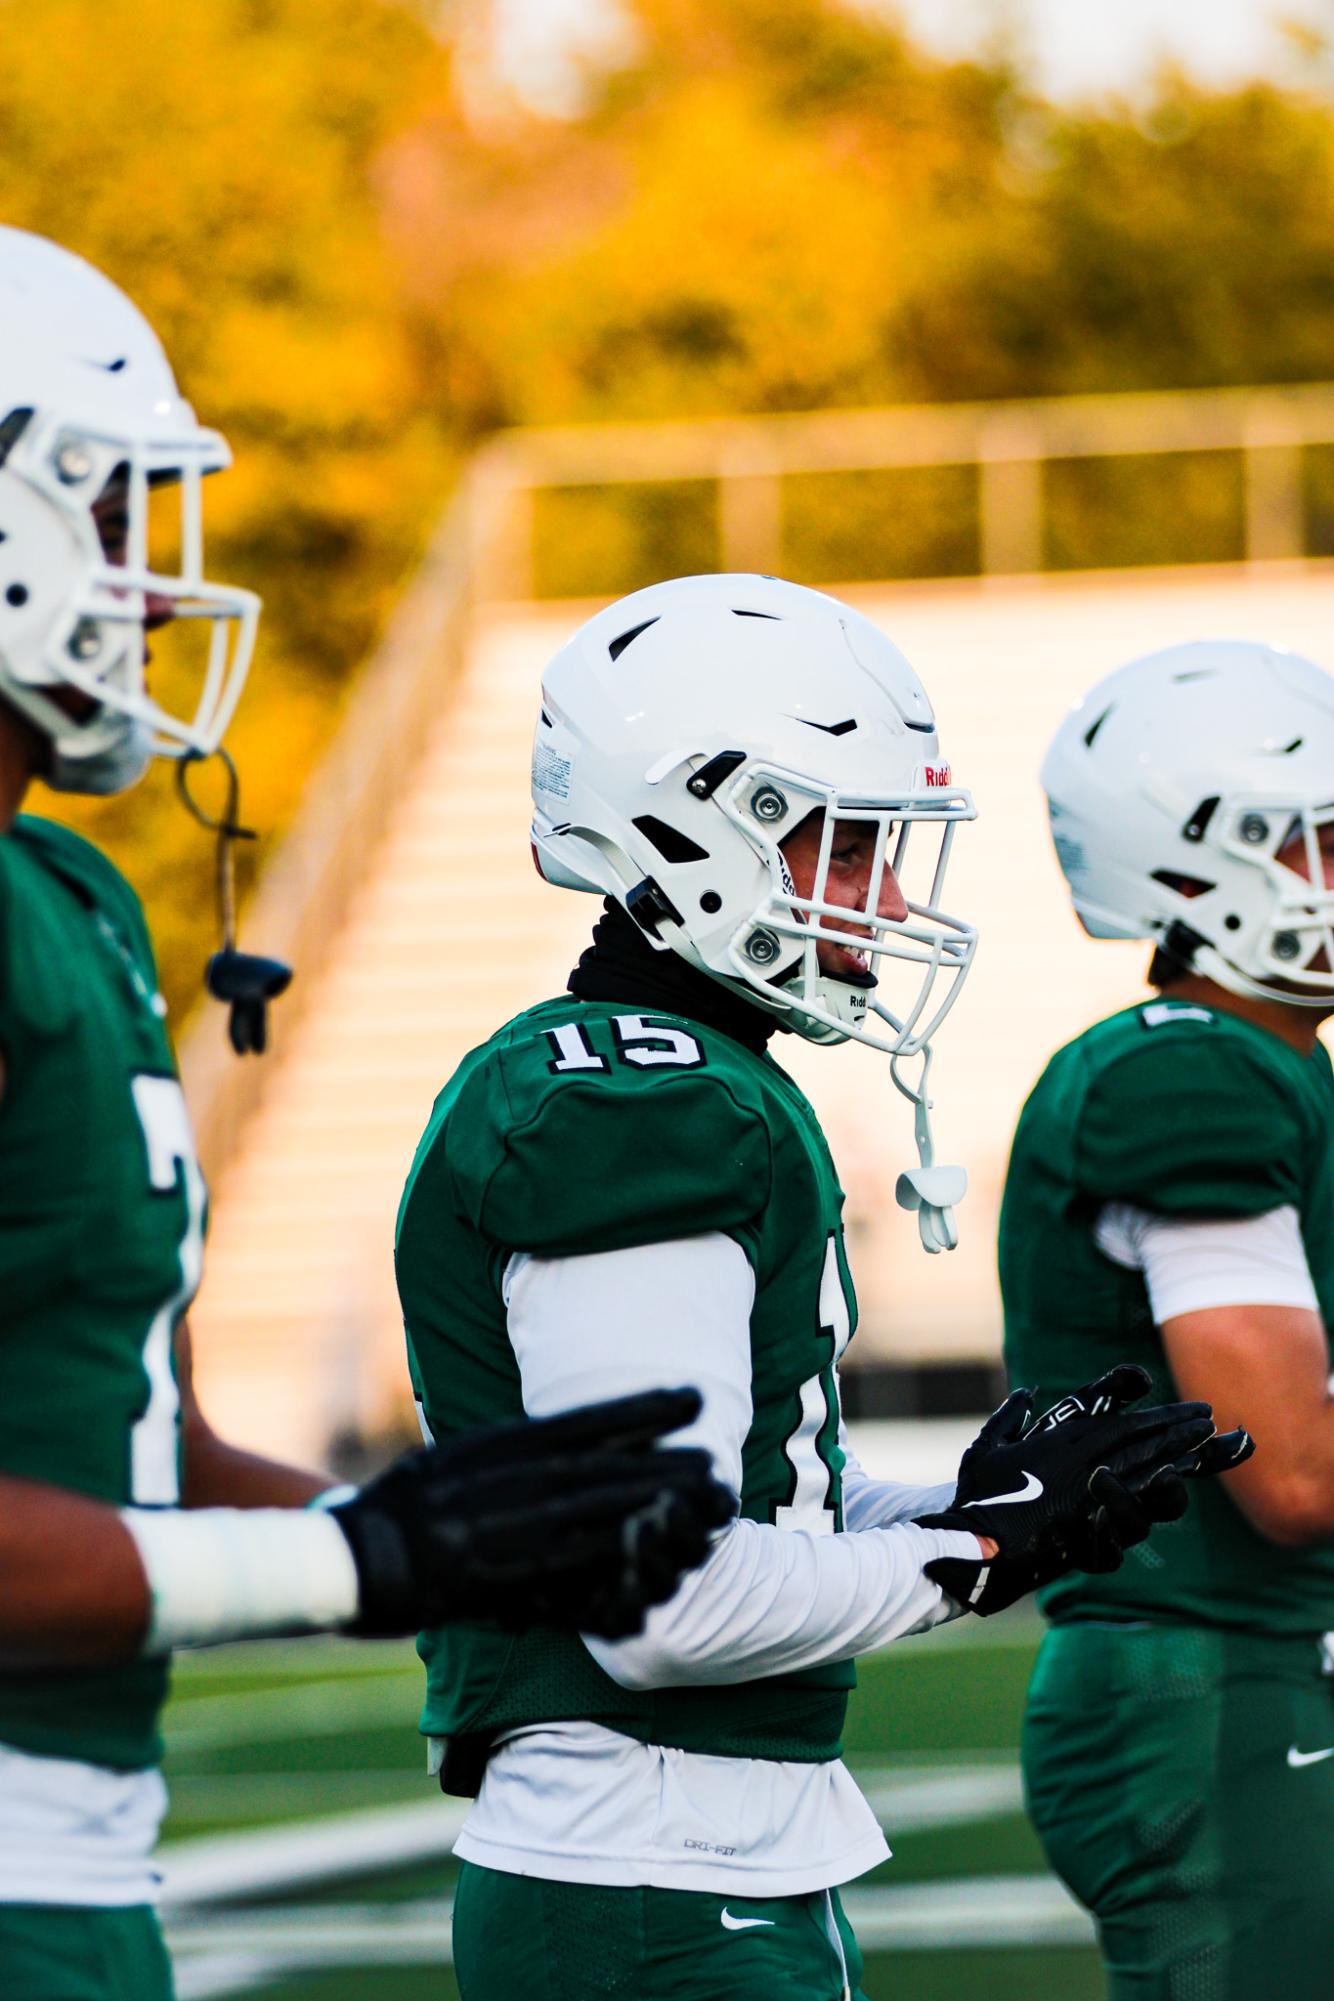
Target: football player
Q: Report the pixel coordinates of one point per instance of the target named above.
(623, 1176)
(1171, 1199)
(127, 1526)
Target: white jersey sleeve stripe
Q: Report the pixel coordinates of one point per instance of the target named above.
(1191, 1265)
(609, 1323)
(769, 1600)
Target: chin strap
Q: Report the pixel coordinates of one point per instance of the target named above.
(932, 1191)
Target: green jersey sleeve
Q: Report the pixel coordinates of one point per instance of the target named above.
(1193, 1121)
(35, 992)
(559, 1162)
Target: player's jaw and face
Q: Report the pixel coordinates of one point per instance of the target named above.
(848, 884)
(1293, 855)
(24, 751)
(111, 516)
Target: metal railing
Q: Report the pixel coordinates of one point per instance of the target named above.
(484, 549)
(1007, 444)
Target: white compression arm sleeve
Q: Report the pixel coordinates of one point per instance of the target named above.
(1190, 1265)
(769, 1600)
(241, 1573)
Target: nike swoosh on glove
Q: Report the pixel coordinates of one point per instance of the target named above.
(1072, 1488)
(581, 1521)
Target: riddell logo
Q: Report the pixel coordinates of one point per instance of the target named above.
(936, 774)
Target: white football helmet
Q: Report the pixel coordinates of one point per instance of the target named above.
(1172, 787)
(87, 392)
(685, 732)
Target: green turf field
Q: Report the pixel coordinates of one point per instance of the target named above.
(315, 1853)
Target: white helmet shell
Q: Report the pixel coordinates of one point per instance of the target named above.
(686, 731)
(86, 393)
(1174, 784)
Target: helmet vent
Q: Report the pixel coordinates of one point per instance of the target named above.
(1184, 885)
(1093, 729)
(671, 843)
(11, 430)
(830, 729)
(737, 612)
(711, 775)
(1194, 829)
(1285, 750)
(1196, 674)
(618, 646)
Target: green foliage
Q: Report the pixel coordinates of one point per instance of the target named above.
(1182, 507)
(603, 541)
(921, 521)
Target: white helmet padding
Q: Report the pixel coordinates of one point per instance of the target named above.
(686, 732)
(86, 392)
(1172, 787)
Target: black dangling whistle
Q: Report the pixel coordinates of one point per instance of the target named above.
(243, 981)
(246, 984)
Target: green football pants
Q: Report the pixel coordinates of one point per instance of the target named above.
(1181, 1779)
(525, 1935)
(63, 1952)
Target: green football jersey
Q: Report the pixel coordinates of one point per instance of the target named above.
(583, 1127)
(102, 1212)
(1184, 1111)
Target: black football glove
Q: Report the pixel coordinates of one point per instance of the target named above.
(1130, 1506)
(581, 1521)
(1072, 1489)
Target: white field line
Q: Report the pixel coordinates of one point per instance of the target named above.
(303, 1853)
(298, 1854)
(230, 1953)
(968, 1911)
(903, 1802)
(972, 1911)
(219, 1974)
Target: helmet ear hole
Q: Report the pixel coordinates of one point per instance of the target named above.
(671, 843)
(1184, 885)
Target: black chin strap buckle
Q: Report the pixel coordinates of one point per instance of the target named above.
(243, 981)
(651, 908)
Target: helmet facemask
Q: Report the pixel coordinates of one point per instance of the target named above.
(775, 952)
(1283, 947)
(73, 618)
(913, 964)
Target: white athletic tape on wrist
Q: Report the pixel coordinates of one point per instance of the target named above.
(241, 1573)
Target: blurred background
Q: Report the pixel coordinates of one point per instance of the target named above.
(1012, 322)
